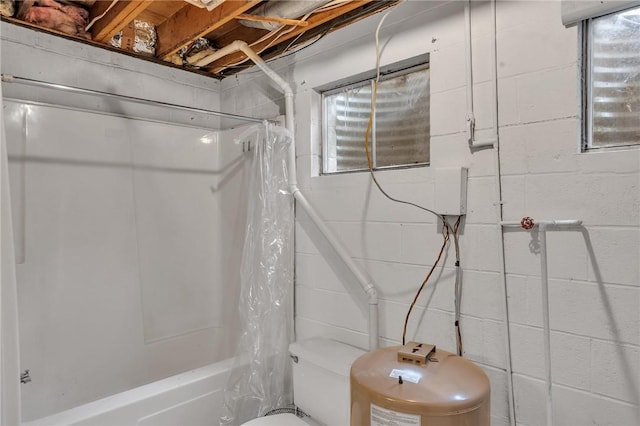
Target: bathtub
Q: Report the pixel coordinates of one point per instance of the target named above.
(187, 399)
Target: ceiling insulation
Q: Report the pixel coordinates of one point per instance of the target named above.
(181, 33)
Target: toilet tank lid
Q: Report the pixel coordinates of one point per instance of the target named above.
(326, 353)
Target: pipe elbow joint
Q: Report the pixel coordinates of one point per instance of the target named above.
(372, 293)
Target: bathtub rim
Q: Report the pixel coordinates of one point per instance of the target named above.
(138, 395)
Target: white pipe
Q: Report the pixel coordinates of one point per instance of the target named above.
(544, 280)
(471, 119)
(544, 283)
(473, 143)
(342, 252)
(555, 222)
(366, 284)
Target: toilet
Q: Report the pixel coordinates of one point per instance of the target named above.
(320, 384)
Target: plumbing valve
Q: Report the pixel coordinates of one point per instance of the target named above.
(527, 222)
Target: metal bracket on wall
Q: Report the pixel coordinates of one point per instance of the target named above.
(25, 377)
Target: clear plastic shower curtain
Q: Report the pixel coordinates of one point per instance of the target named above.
(261, 378)
(9, 352)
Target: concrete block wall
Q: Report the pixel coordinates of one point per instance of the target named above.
(594, 273)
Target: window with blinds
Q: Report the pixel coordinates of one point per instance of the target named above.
(400, 126)
(612, 102)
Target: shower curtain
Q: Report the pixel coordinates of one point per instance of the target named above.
(9, 352)
(261, 378)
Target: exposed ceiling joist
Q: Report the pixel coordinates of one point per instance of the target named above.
(191, 23)
(179, 24)
(116, 17)
(314, 21)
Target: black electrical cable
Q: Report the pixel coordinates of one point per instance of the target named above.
(445, 234)
(457, 293)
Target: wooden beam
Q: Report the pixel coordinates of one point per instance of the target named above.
(315, 20)
(273, 19)
(115, 18)
(191, 23)
(161, 10)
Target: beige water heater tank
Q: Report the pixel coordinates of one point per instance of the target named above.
(418, 385)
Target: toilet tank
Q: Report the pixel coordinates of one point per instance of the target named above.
(321, 378)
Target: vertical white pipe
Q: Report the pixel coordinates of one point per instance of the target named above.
(470, 118)
(544, 283)
(468, 67)
(365, 283)
(544, 279)
(373, 323)
(498, 206)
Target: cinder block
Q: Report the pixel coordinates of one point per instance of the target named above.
(447, 68)
(481, 200)
(570, 360)
(514, 198)
(613, 255)
(482, 295)
(479, 247)
(540, 148)
(499, 399)
(527, 353)
(304, 244)
(337, 309)
(530, 400)
(380, 241)
(548, 95)
(448, 112)
(548, 45)
(615, 370)
(604, 311)
(420, 244)
(508, 104)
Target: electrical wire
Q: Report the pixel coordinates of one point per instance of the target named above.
(275, 32)
(293, 52)
(457, 288)
(445, 240)
(374, 97)
(446, 229)
(329, 6)
(97, 18)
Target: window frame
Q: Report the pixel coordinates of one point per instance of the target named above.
(586, 108)
(420, 63)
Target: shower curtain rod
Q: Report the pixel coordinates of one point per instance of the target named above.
(8, 78)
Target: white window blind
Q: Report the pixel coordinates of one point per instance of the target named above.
(613, 83)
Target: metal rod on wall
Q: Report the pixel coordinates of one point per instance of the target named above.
(8, 78)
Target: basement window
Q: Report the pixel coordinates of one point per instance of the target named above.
(611, 66)
(400, 127)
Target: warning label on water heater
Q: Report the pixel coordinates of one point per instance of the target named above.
(383, 417)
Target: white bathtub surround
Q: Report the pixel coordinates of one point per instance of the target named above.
(140, 217)
(10, 408)
(192, 398)
(160, 190)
